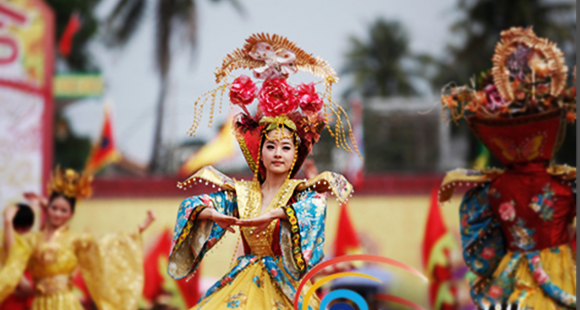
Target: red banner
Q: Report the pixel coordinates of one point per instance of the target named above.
(26, 112)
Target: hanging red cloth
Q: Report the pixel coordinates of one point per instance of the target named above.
(65, 43)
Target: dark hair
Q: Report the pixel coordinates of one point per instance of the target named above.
(71, 200)
(24, 217)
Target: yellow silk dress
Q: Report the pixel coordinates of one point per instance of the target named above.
(276, 260)
(253, 288)
(112, 267)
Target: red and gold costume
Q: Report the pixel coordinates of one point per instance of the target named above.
(275, 260)
(515, 221)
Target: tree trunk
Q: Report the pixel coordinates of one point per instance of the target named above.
(155, 165)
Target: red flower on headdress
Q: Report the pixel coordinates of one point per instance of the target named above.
(308, 99)
(494, 99)
(309, 126)
(277, 97)
(243, 91)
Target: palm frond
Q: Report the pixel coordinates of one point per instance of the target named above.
(375, 63)
(124, 20)
(120, 7)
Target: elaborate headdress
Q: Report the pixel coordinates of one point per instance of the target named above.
(519, 108)
(70, 184)
(302, 110)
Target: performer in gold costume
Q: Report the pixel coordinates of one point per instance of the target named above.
(282, 219)
(112, 266)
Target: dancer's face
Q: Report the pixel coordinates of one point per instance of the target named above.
(59, 211)
(278, 154)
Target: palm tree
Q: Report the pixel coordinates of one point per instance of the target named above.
(79, 59)
(173, 17)
(382, 65)
(482, 22)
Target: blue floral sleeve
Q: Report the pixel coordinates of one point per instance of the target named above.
(193, 238)
(481, 236)
(302, 235)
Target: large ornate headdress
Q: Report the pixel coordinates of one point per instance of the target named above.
(519, 108)
(70, 184)
(303, 110)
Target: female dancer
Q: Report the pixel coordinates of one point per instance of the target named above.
(281, 218)
(111, 266)
(514, 224)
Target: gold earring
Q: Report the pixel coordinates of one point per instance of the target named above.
(293, 163)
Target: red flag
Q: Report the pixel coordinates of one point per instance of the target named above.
(347, 241)
(80, 284)
(437, 244)
(65, 44)
(153, 278)
(435, 228)
(154, 275)
(104, 151)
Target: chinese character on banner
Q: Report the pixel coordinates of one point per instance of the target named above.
(26, 112)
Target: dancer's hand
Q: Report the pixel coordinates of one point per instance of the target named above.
(148, 220)
(309, 168)
(261, 222)
(24, 288)
(36, 200)
(223, 221)
(9, 214)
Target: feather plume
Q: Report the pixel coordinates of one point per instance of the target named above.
(241, 58)
(513, 37)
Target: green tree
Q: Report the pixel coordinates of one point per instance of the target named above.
(172, 18)
(482, 22)
(70, 150)
(383, 65)
(79, 58)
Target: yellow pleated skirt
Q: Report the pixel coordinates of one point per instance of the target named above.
(57, 301)
(560, 266)
(251, 289)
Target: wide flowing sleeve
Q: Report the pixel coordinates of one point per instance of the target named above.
(14, 266)
(192, 238)
(481, 236)
(302, 235)
(112, 267)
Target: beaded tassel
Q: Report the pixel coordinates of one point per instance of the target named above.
(198, 109)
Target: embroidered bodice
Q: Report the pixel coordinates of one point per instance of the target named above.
(533, 208)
